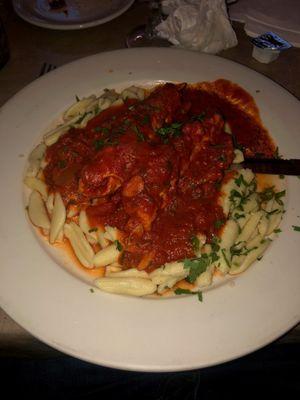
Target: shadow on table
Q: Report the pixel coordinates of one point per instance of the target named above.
(272, 372)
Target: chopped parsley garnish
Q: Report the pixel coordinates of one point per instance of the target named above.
(238, 216)
(200, 297)
(236, 250)
(77, 98)
(118, 245)
(215, 244)
(170, 131)
(218, 223)
(223, 158)
(241, 181)
(183, 291)
(93, 230)
(62, 163)
(195, 243)
(196, 266)
(81, 118)
(278, 196)
(296, 228)
(92, 290)
(139, 134)
(269, 213)
(97, 109)
(225, 258)
(277, 230)
(99, 144)
(180, 291)
(199, 117)
(199, 265)
(105, 130)
(269, 194)
(239, 198)
(145, 120)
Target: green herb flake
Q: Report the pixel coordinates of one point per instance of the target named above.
(219, 223)
(241, 181)
(218, 185)
(97, 109)
(170, 131)
(145, 120)
(180, 291)
(62, 164)
(278, 196)
(99, 144)
(93, 230)
(215, 244)
(139, 134)
(199, 117)
(225, 258)
(195, 243)
(239, 216)
(81, 118)
(296, 228)
(200, 297)
(269, 194)
(105, 130)
(243, 251)
(118, 245)
(196, 266)
(281, 176)
(77, 98)
(277, 230)
(92, 290)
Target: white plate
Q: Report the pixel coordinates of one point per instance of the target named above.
(81, 13)
(130, 333)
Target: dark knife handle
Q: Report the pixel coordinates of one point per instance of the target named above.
(273, 166)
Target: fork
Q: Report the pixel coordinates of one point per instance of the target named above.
(46, 68)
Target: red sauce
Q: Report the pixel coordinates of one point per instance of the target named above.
(153, 169)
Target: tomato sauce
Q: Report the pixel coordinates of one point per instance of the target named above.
(153, 169)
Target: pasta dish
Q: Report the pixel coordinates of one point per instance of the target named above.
(146, 186)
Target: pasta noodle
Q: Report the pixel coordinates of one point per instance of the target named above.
(148, 187)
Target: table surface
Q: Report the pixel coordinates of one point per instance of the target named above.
(31, 46)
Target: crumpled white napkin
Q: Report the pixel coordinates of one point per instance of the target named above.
(197, 25)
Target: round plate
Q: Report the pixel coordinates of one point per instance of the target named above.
(131, 333)
(80, 14)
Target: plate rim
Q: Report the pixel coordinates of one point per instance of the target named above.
(42, 23)
(132, 366)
